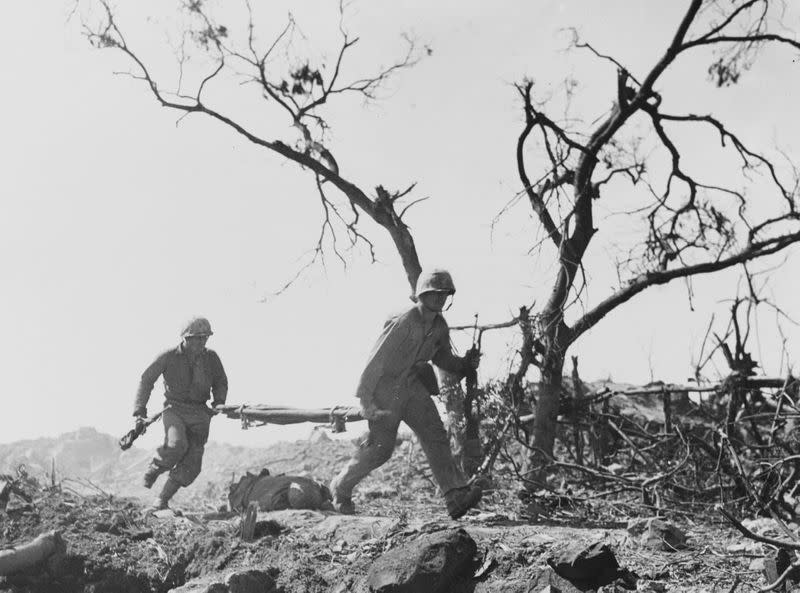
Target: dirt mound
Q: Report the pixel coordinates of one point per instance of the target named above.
(113, 546)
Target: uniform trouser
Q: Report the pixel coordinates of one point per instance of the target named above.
(416, 408)
(185, 435)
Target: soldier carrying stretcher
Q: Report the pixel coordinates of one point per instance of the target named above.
(396, 386)
(192, 373)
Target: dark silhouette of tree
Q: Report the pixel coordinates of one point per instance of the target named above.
(689, 225)
(300, 92)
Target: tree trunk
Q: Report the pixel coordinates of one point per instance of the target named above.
(544, 426)
(577, 411)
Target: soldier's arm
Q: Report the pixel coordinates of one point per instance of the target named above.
(219, 385)
(445, 359)
(146, 383)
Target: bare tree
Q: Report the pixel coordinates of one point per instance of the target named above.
(295, 87)
(688, 225)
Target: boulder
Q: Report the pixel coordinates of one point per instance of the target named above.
(431, 563)
(585, 566)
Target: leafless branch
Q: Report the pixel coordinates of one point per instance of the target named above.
(300, 95)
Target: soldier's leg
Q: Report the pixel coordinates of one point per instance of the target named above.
(423, 418)
(172, 450)
(374, 450)
(197, 424)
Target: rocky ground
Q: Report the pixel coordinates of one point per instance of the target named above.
(113, 546)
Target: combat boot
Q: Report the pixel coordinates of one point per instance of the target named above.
(167, 492)
(344, 505)
(341, 503)
(460, 500)
(150, 476)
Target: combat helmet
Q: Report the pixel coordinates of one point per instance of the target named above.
(197, 326)
(436, 280)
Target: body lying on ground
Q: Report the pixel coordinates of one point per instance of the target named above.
(275, 493)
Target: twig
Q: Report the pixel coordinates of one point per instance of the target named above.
(754, 536)
(490, 326)
(648, 462)
(778, 409)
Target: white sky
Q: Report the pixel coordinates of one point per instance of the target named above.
(117, 224)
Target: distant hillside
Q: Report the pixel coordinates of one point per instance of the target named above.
(84, 453)
(88, 456)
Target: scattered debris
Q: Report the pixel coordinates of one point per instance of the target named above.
(20, 486)
(112, 546)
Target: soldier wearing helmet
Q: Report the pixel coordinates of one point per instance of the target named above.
(396, 385)
(192, 374)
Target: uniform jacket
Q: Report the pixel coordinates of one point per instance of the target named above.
(407, 342)
(184, 381)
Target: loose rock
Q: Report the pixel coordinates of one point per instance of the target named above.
(429, 564)
(586, 566)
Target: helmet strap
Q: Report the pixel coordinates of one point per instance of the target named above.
(448, 302)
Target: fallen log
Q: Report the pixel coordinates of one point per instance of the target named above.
(259, 414)
(31, 554)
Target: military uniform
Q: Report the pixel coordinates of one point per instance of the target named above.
(398, 382)
(190, 379)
